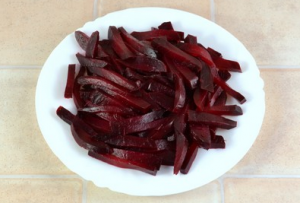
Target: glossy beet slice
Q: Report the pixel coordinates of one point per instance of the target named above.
(106, 109)
(170, 35)
(123, 162)
(118, 44)
(98, 124)
(200, 98)
(70, 81)
(155, 86)
(82, 39)
(231, 110)
(144, 126)
(85, 140)
(210, 119)
(201, 135)
(221, 100)
(92, 45)
(146, 158)
(181, 150)
(224, 75)
(65, 115)
(224, 64)
(166, 26)
(89, 62)
(190, 78)
(163, 130)
(145, 118)
(189, 158)
(218, 142)
(212, 97)
(131, 142)
(197, 51)
(206, 79)
(114, 77)
(76, 88)
(162, 100)
(144, 63)
(180, 94)
(190, 39)
(238, 96)
(102, 83)
(136, 44)
(166, 48)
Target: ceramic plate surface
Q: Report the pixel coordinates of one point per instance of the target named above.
(209, 165)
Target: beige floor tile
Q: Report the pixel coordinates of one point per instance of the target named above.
(199, 7)
(269, 28)
(262, 190)
(38, 190)
(208, 193)
(23, 149)
(276, 150)
(31, 29)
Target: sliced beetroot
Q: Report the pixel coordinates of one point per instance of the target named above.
(85, 140)
(166, 48)
(224, 75)
(92, 45)
(89, 62)
(114, 77)
(82, 39)
(181, 150)
(79, 103)
(230, 110)
(180, 94)
(214, 95)
(137, 44)
(65, 115)
(221, 100)
(201, 135)
(144, 63)
(190, 78)
(218, 142)
(123, 162)
(155, 86)
(153, 34)
(150, 101)
(206, 79)
(210, 119)
(238, 96)
(190, 39)
(118, 44)
(162, 100)
(200, 98)
(189, 158)
(166, 26)
(144, 126)
(197, 51)
(70, 81)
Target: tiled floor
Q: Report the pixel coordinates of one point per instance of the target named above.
(30, 172)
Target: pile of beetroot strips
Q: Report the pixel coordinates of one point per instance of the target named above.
(151, 98)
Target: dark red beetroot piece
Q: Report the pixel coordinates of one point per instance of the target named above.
(143, 104)
(70, 81)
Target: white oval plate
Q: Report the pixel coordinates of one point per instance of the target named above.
(208, 165)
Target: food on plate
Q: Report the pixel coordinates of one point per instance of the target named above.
(151, 98)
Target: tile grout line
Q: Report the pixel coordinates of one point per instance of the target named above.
(212, 11)
(278, 66)
(84, 191)
(95, 10)
(261, 176)
(22, 67)
(220, 180)
(39, 176)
